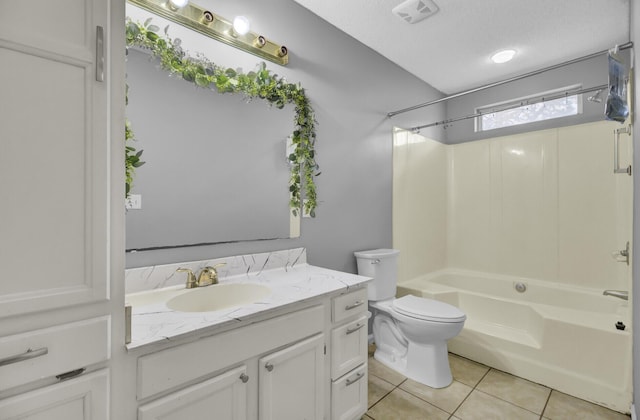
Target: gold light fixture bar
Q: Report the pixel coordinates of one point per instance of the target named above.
(207, 23)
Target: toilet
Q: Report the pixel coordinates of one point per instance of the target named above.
(410, 332)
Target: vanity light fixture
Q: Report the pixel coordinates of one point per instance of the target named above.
(503, 56)
(236, 33)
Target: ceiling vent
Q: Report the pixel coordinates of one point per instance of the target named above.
(413, 11)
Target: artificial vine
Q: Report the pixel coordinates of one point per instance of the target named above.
(132, 156)
(261, 83)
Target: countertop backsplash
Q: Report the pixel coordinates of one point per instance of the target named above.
(159, 276)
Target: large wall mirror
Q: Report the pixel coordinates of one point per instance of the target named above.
(216, 168)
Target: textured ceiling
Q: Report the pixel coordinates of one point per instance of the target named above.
(450, 50)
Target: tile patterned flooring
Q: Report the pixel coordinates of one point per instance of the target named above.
(478, 392)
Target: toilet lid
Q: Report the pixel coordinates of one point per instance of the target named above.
(428, 309)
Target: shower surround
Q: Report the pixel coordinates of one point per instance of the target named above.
(542, 207)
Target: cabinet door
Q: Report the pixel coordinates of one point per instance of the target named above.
(53, 154)
(223, 397)
(82, 398)
(291, 382)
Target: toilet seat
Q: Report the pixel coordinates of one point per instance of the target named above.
(427, 309)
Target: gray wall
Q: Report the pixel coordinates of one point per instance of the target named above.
(351, 88)
(588, 73)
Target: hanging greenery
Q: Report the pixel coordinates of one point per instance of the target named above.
(132, 157)
(261, 83)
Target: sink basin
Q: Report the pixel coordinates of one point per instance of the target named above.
(219, 296)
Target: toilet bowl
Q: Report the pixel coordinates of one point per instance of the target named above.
(410, 332)
(415, 344)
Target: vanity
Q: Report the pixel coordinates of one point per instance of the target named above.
(288, 341)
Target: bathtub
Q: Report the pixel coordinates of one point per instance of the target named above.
(560, 336)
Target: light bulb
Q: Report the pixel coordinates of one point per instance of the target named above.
(503, 56)
(241, 25)
(177, 4)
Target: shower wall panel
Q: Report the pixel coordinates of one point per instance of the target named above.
(543, 205)
(419, 203)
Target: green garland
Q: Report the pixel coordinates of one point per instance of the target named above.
(261, 83)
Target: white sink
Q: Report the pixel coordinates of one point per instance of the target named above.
(150, 297)
(218, 296)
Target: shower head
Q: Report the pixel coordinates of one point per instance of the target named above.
(596, 97)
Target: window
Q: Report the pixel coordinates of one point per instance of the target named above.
(561, 103)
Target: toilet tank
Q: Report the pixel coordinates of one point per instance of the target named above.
(382, 265)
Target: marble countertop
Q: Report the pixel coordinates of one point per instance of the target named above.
(155, 323)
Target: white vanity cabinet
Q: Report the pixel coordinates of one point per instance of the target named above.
(306, 360)
(349, 356)
(273, 369)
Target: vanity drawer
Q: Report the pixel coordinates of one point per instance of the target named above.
(43, 353)
(348, 347)
(349, 395)
(349, 305)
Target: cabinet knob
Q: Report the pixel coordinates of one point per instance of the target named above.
(244, 378)
(268, 366)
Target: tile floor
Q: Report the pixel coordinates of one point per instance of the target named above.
(478, 392)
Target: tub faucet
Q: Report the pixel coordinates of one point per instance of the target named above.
(620, 294)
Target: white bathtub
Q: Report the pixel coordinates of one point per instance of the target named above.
(560, 336)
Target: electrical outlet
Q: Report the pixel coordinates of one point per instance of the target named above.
(133, 202)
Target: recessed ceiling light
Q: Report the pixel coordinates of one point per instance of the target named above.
(503, 56)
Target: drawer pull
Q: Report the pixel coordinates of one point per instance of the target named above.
(29, 354)
(244, 378)
(354, 305)
(354, 329)
(359, 376)
(71, 374)
(99, 54)
(269, 367)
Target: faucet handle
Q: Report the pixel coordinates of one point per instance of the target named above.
(209, 275)
(191, 278)
(219, 265)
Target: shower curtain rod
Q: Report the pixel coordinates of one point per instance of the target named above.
(511, 79)
(537, 101)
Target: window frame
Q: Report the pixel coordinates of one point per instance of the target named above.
(525, 101)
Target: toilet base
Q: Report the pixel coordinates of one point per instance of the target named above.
(427, 364)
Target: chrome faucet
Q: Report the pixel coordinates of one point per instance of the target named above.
(207, 276)
(620, 294)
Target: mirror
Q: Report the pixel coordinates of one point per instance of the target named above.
(216, 166)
